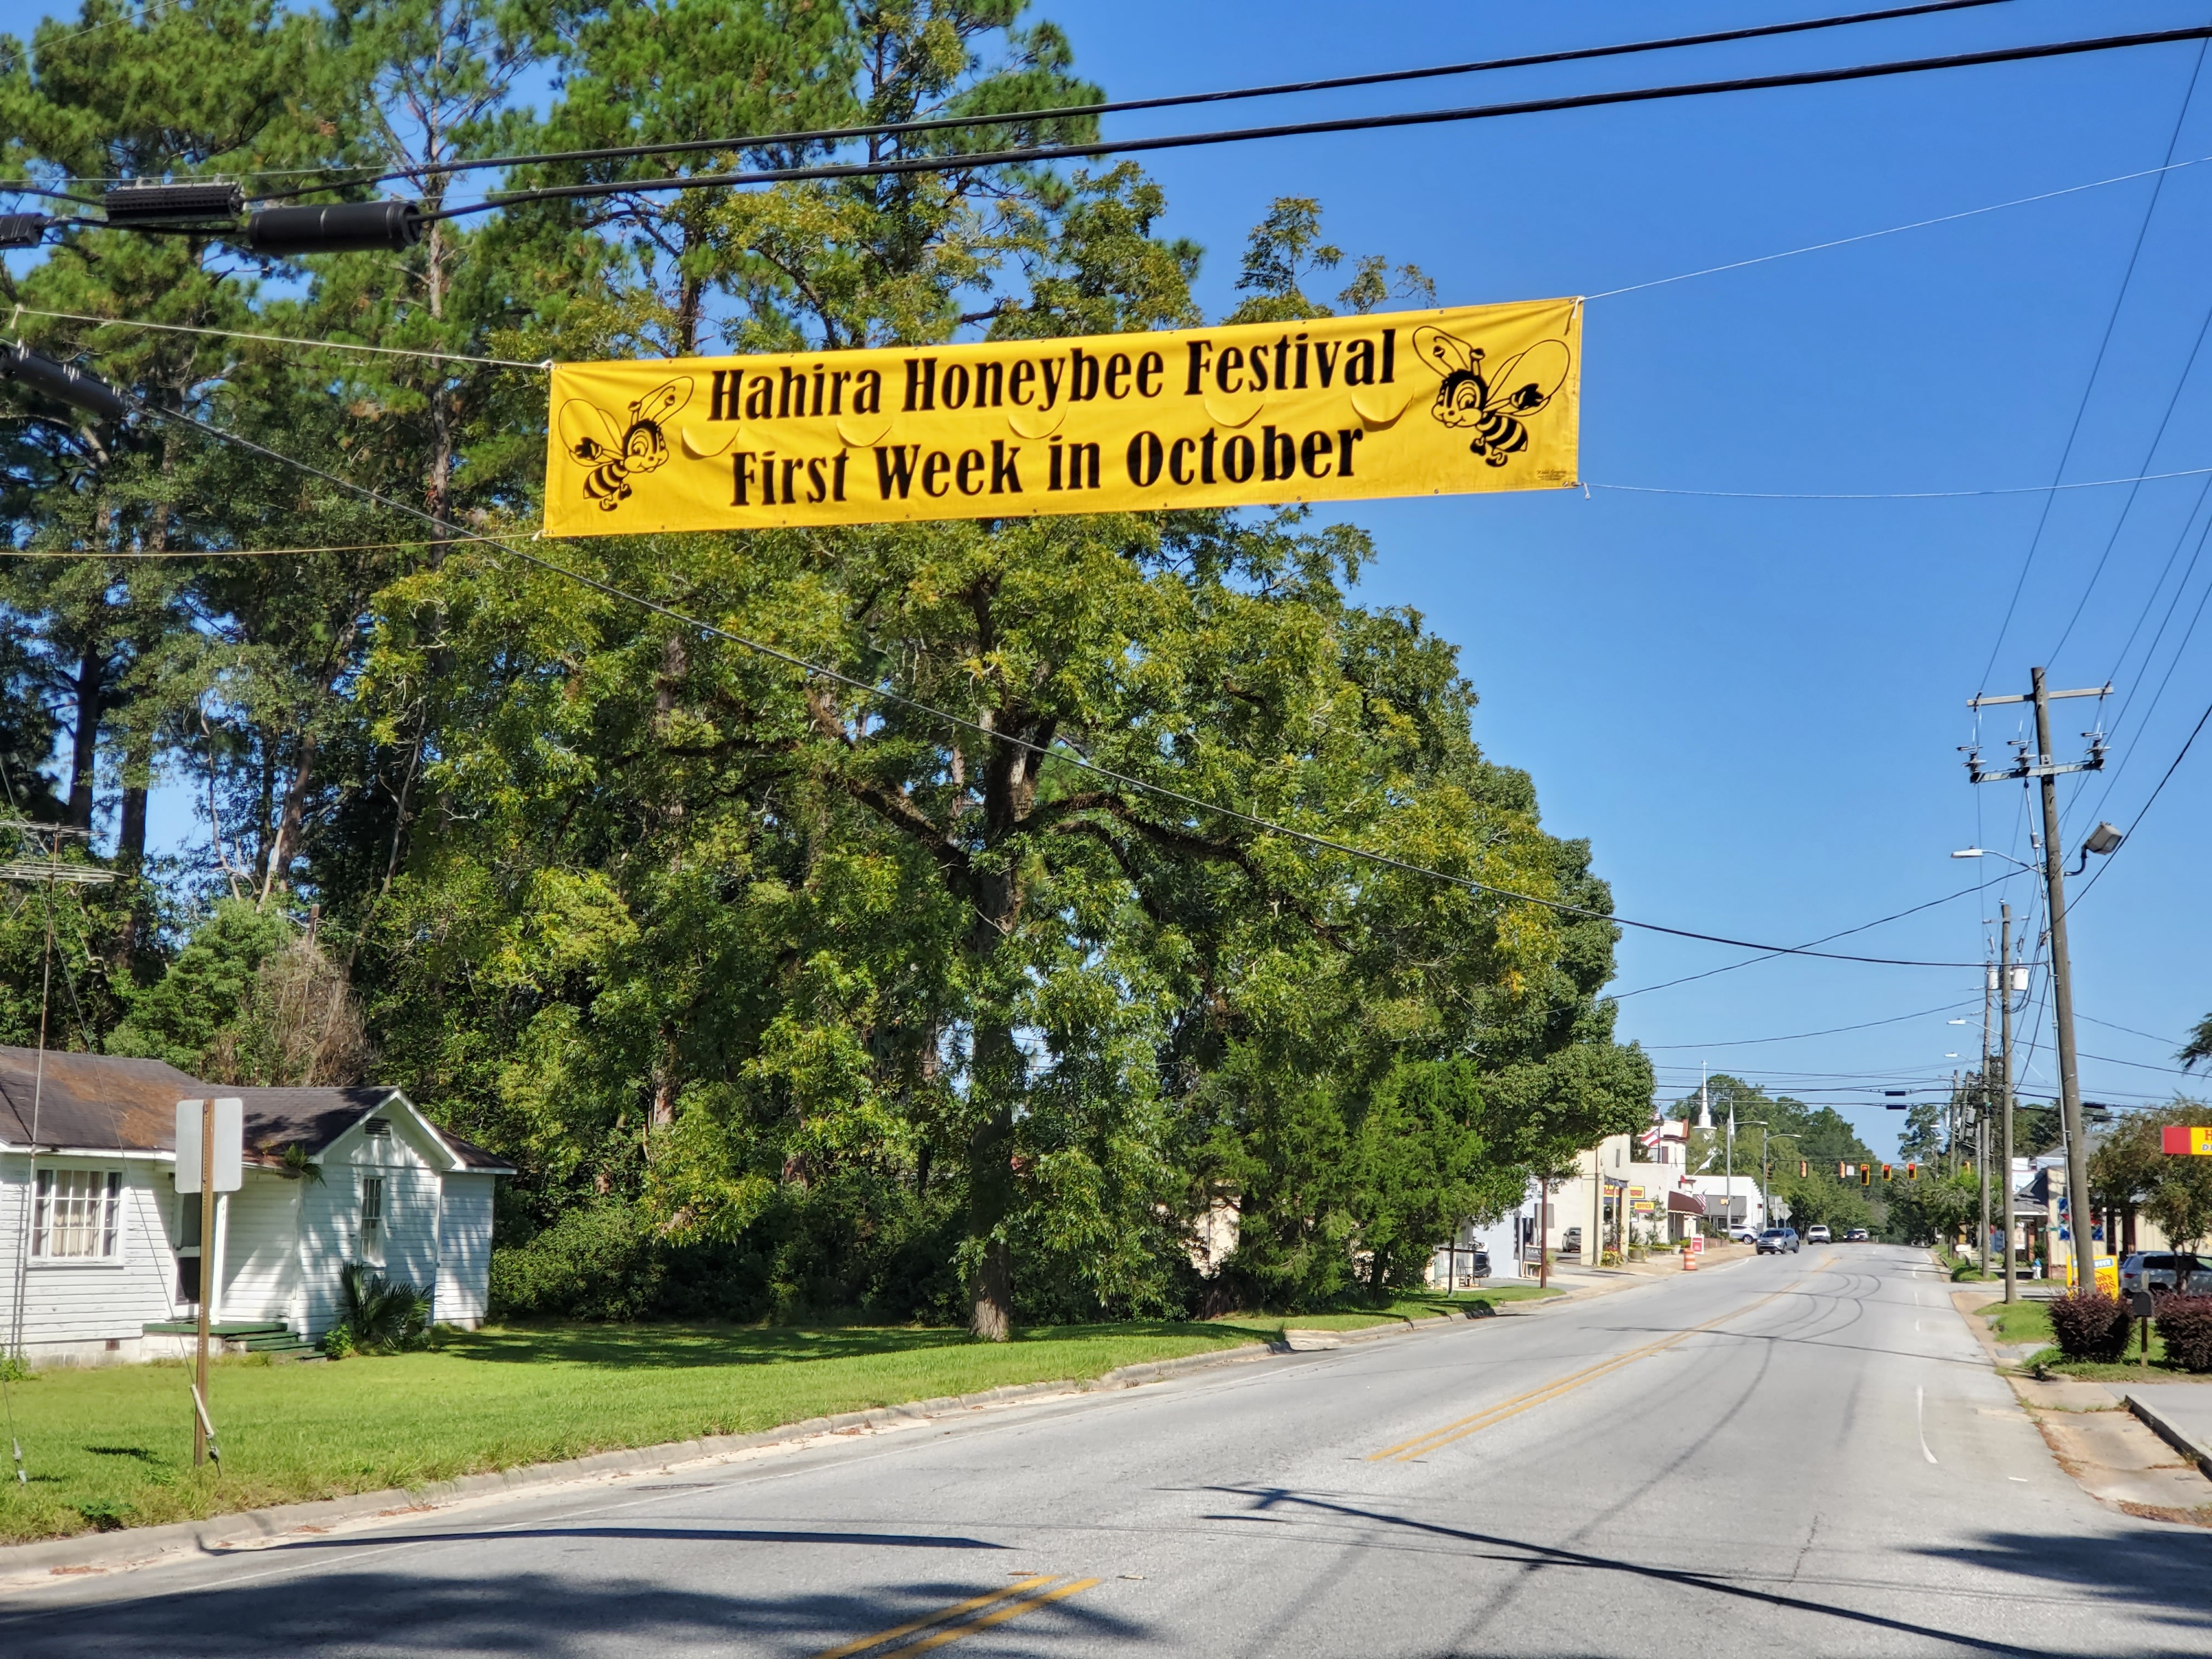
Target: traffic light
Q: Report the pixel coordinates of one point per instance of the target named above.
(1804, 1169)
(1866, 1174)
(1884, 1172)
(1843, 1171)
(1912, 1172)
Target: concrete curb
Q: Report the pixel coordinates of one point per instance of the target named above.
(2172, 1433)
(134, 1545)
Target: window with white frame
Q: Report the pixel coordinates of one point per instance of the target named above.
(372, 1219)
(76, 1215)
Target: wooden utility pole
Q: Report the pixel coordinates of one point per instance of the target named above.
(1982, 1121)
(2004, 1074)
(2048, 771)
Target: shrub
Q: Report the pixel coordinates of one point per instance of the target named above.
(2090, 1325)
(597, 1261)
(381, 1315)
(2185, 1325)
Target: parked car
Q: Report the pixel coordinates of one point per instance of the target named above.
(1746, 1234)
(2163, 1270)
(1858, 1236)
(1817, 1235)
(1775, 1239)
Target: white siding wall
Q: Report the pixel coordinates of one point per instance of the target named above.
(465, 1249)
(261, 1253)
(330, 1219)
(328, 1211)
(82, 1307)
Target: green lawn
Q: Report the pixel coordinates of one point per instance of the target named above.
(112, 1447)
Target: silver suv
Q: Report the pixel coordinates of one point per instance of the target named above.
(1775, 1240)
(2165, 1270)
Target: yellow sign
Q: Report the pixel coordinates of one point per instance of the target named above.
(1426, 402)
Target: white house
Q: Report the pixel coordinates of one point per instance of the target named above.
(100, 1257)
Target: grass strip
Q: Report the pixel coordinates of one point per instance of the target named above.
(111, 1447)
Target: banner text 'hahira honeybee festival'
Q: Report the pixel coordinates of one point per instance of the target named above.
(1428, 402)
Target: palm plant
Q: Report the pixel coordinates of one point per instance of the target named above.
(381, 1315)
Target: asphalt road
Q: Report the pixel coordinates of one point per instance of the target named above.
(1801, 1455)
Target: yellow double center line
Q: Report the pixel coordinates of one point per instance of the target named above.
(1421, 1445)
(950, 1624)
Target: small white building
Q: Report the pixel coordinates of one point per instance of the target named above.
(101, 1258)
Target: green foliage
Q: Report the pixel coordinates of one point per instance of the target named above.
(2185, 1325)
(2128, 1170)
(2091, 1326)
(1935, 1208)
(377, 1314)
(783, 998)
(183, 1017)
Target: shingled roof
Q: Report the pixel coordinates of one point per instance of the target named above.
(103, 1102)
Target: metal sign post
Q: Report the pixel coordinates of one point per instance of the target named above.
(210, 1137)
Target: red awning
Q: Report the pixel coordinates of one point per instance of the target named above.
(1685, 1204)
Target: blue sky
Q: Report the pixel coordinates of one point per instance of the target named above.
(1752, 708)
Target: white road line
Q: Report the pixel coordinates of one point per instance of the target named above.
(1920, 1408)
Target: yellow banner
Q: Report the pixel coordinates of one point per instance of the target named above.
(1421, 403)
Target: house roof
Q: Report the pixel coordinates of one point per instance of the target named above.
(104, 1103)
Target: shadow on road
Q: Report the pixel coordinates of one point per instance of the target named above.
(2155, 1575)
(379, 1613)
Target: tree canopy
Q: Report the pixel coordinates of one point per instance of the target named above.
(783, 995)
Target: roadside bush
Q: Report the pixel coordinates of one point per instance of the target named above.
(2090, 1325)
(2185, 1325)
(598, 1261)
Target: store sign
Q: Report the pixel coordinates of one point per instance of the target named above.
(2185, 1140)
(1429, 403)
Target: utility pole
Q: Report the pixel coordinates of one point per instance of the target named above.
(46, 870)
(2062, 975)
(1982, 1120)
(2005, 1017)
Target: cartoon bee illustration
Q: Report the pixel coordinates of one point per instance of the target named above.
(616, 452)
(1493, 404)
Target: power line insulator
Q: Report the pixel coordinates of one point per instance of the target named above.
(23, 229)
(337, 227)
(136, 203)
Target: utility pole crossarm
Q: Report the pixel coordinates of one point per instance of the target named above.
(2104, 690)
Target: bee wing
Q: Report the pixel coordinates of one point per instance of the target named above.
(1444, 353)
(587, 432)
(1526, 383)
(658, 404)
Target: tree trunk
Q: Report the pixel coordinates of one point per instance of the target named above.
(991, 1188)
(91, 688)
(277, 878)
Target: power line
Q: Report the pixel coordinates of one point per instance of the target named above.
(1043, 751)
(1120, 107)
(2195, 732)
(211, 552)
(1743, 1042)
(1894, 494)
(1033, 154)
(1806, 950)
(2129, 1029)
(1893, 230)
(2096, 365)
(284, 339)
